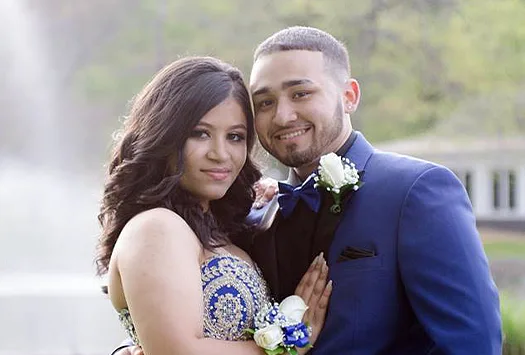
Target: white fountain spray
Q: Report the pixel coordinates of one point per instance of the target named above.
(48, 221)
(31, 81)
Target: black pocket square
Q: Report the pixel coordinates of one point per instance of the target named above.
(352, 253)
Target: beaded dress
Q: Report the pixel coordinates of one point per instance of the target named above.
(233, 292)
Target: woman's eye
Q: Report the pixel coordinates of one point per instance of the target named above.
(236, 137)
(199, 133)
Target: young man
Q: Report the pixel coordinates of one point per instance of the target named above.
(408, 268)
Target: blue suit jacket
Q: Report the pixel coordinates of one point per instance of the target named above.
(428, 290)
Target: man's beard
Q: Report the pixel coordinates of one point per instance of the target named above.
(295, 159)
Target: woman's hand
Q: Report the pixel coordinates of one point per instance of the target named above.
(315, 290)
(265, 190)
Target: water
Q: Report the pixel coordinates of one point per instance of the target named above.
(50, 302)
(31, 81)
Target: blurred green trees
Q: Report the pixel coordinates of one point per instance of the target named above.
(422, 64)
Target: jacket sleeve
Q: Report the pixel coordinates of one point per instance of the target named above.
(444, 268)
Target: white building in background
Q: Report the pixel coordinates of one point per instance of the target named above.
(492, 170)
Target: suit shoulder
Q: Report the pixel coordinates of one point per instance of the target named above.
(400, 172)
(402, 165)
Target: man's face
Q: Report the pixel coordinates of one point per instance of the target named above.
(299, 108)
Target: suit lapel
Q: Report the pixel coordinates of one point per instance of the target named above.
(327, 224)
(359, 153)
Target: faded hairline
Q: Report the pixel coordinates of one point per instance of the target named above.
(340, 74)
(334, 52)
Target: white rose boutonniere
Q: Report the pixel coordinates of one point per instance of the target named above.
(337, 175)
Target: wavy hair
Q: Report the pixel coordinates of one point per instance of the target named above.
(142, 174)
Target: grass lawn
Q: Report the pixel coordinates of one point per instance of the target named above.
(503, 245)
(513, 317)
(505, 249)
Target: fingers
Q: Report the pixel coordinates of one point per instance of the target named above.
(322, 303)
(317, 314)
(270, 192)
(313, 279)
(137, 350)
(319, 287)
(265, 190)
(300, 290)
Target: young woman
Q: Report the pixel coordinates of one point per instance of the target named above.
(178, 190)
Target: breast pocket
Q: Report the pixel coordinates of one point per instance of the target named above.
(349, 268)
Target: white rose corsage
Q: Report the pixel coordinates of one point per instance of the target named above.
(337, 175)
(279, 328)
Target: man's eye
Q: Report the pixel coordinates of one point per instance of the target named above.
(199, 133)
(300, 94)
(236, 137)
(264, 103)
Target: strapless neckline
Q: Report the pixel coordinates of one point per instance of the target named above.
(233, 292)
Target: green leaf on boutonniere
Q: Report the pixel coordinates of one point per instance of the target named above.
(292, 352)
(335, 209)
(277, 351)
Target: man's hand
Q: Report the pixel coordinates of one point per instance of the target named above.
(130, 350)
(315, 291)
(265, 190)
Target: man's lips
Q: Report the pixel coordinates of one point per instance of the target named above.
(289, 134)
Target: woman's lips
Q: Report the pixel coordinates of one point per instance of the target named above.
(218, 174)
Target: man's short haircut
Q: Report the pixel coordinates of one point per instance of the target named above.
(309, 39)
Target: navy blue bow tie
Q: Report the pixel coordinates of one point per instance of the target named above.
(289, 196)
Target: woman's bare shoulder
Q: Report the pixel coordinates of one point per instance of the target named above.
(157, 226)
(156, 220)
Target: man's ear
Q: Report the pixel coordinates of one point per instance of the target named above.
(352, 95)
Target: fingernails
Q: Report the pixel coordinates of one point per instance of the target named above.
(329, 284)
(315, 260)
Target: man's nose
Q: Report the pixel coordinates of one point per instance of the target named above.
(284, 113)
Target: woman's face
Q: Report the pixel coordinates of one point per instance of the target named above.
(215, 152)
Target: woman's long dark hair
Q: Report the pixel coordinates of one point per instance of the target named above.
(142, 174)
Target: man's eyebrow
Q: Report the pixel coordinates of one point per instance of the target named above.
(284, 85)
(260, 91)
(290, 83)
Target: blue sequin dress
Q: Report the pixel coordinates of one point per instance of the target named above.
(233, 292)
